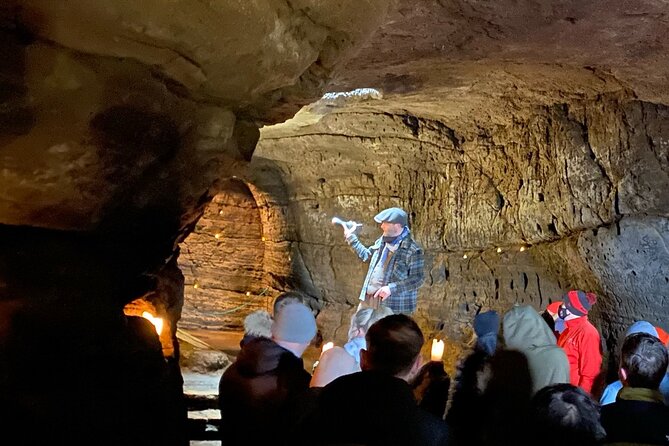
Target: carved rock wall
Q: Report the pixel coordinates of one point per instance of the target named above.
(117, 119)
(222, 261)
(574, 184)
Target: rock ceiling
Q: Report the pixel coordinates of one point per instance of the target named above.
(541, 119)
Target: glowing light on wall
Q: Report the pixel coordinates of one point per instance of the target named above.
(156, 321)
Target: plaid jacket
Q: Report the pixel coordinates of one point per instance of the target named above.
(404, 274)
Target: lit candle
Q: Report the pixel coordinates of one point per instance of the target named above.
(437, 350)
(327, 346)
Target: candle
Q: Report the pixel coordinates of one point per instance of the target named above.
(327, 346)
(437, 350)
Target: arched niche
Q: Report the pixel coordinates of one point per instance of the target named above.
(223, 262)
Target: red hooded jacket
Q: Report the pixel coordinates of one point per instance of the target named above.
(582, 344)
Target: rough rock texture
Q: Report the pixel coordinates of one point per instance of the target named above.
(117, 120)
(507, 124)
(555, 180)
(222, 261)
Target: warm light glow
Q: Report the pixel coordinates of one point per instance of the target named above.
(464, 256)
(499, 249)
(437, 350)
(327, 346)
(522, 248)
(248, 293)
(220, 212)
(217, 235)
(263, 239)
(196, 286)
(156, 321)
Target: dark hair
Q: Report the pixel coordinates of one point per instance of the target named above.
(645, 359)
(393, 343)
(546, 316)
(565, 414)
(286, 298)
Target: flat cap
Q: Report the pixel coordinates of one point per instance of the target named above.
(392, 215)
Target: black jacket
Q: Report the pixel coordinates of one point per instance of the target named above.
(255, 390)
(370, 408)
(638, 416)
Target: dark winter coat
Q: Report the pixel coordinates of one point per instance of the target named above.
(255, 390)
(371, 408)
(638, 416)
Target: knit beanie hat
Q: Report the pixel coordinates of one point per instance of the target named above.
(486, 327)
(294, 323)
(642, 327)
(579, 303)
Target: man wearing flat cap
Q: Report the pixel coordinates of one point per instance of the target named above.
(395, 263)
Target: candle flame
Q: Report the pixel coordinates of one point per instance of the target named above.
(156, 321)
(437, 350)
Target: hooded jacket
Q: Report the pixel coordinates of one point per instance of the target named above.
(582, 344)
(525, 331)
(254, 391)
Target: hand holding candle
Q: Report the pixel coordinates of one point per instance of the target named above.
(437, 350)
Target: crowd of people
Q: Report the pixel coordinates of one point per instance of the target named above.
(528, 380)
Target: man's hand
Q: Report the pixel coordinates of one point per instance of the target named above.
(383, 292)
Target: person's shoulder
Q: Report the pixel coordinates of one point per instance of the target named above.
(336, 355)
(589, 328)
(411, 244)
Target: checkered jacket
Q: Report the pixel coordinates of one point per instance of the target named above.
(404, 274)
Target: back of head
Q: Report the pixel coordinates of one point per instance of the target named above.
(364, 318)
(486, 327)
(295, 323)
(393, 344)
(565, 414)
(644, 360)
(286, 298)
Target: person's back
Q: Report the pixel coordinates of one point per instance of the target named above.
(466, 402)
(639, 415)
(340, 361)
(255, 390)
(376, 406)
(525, 330)
(610, 393)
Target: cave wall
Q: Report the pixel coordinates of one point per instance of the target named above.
(117, 119)
(223, 262)
(578, 185)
